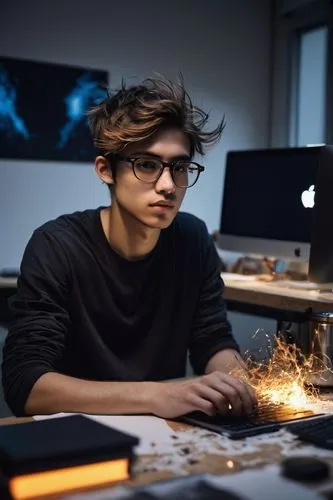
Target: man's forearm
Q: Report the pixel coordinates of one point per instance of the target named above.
(227, 361)
(54, 393)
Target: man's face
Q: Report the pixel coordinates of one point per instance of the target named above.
(154, 204)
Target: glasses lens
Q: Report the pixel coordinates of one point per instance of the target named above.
(147, 170)
(185, 174)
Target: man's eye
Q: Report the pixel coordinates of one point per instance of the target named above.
(184, 168)
(148, 166)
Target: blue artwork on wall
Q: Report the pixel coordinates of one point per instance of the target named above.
(43, 110)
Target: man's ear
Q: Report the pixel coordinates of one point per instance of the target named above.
(103, 170)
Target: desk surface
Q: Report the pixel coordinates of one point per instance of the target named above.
(168, 449)
(259, 293)
(8, 282)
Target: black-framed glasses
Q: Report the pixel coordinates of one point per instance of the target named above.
(184, 173)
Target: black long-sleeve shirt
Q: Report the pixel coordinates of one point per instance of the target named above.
(84, 311)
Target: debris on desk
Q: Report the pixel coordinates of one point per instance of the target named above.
(195, 449)
(193, 461)
(209, 435)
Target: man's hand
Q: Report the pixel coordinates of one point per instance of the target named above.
(215, 392)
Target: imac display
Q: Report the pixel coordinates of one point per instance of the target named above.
(269, 202)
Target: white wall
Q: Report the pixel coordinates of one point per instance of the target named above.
(221, 47)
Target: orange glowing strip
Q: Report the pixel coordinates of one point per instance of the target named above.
(62, 480)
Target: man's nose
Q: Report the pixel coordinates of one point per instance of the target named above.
(165, 182)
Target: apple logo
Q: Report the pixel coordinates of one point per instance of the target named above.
(308, 197)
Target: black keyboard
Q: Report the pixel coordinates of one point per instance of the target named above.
(270, 417)
(318, 431)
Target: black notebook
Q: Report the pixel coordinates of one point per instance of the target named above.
(63, 454)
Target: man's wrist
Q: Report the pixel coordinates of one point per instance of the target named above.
(226, 360)
(149, 395)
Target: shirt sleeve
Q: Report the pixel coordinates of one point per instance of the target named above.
(211, 331)
(37, 336)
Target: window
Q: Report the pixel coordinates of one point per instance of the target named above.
(310, 96)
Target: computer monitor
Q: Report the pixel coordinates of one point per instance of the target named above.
(268, 202)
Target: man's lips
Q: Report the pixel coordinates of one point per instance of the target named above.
(164, 204)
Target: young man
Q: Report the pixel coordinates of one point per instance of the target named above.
(110, 300)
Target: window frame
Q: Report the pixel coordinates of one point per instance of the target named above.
(287, 26)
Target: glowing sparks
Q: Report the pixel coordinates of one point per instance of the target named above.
(286, 393)
(285, 376)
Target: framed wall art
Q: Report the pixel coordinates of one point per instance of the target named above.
(43, 110)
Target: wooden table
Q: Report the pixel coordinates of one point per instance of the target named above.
(263, 299)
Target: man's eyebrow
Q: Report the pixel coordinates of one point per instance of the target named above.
(154, 155)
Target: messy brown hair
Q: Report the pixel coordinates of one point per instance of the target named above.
(137, 113)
